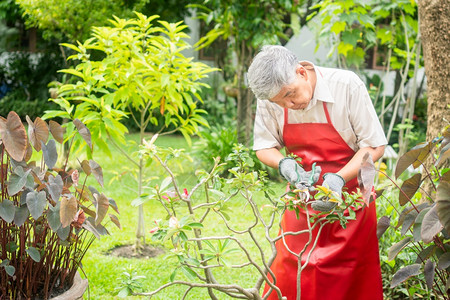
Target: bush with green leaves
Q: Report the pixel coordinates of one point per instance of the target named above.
(424, 222)
(138, 71)
(49, 217)
(238, 244)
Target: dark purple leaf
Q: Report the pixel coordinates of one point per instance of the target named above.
(84, 132)
(409, 221)
(86, 167)
(404, 273)
(101, 207)
(414, 157)
(113, 204)
(428, 271)
(397, 247)
(97, 171)
(444, 261)
(409, 188)
(443, 202)
(425, 253)
(383, 225)
(430, 225)
(418, 224)
(115, 220)
(14, 136)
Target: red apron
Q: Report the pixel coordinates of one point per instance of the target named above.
(345, 264)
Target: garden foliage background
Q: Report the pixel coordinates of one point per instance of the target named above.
(359, 35)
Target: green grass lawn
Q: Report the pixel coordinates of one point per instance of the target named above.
(103, 270)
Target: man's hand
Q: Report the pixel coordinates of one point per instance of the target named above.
(334, 182)
(296, 175)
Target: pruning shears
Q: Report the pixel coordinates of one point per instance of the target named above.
(304, 185)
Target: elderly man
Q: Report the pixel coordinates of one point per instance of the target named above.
(325, 117)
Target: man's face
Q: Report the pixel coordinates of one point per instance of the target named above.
(296, 95)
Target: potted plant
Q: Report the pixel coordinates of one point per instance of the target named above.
(48, 215)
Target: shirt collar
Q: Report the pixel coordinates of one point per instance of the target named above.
(321, 91)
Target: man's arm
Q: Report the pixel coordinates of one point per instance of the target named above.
(350, 170)
(270, 157)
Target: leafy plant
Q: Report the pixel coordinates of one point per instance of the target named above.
(141, 74)
(200, 255)
(424, 222)
(49, 217)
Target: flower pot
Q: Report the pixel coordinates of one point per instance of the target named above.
(76, 291)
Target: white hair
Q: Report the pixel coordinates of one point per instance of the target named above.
(271, 69)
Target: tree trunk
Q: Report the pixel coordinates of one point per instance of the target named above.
(434, 17)
(434, 20)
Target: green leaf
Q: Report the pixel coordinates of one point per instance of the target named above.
(397, 247)
(172, 276)
(21, 215)
(17, 180)
(50, 153)
(10, 270)
(34, 254)
(189, 273)
(36, 202)
(63, 232)
(7, 210)
(405, 273)
(53, 219)
(11, 247)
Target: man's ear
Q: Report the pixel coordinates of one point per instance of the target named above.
(301, 70)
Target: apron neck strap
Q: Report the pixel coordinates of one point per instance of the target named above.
(325, 109)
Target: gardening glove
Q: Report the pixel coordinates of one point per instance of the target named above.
(296, 175)
(335, 183)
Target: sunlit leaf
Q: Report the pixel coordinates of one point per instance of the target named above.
(444, 155)
(97, 171)
(68, 210)
(14, 136)
(21, 215)
(37, 132)
(57, 131)
(36, 202)
(34, 254)
(413, 157)
(428, 271)
(409, 188)
(115, 220)
(50, 153)
(404, 273)
(443, 203)
(28, 153)
(397, 247)
(430, 225)
(366, 176)
(84, 132)
(113, 204)
(101, 207)
(383, 225)
(7, 210)
(86, 167)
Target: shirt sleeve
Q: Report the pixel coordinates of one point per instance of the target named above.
(267, 131)
(363, 117)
